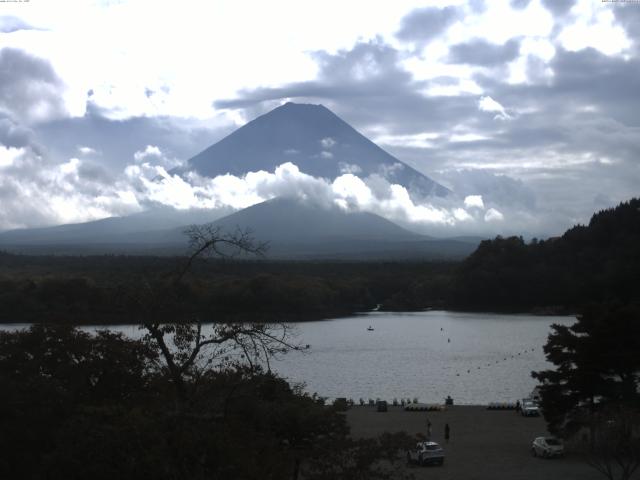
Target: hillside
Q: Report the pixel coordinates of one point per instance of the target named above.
(592, 263)
(298, 229)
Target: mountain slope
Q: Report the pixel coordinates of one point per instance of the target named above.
(317, 141)
(151, 227)
(288, 220)
(297, 229)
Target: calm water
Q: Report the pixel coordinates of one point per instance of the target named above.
(489, 357)
(476, 358)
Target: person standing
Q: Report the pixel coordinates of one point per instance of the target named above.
(428, 430)
(447, 432)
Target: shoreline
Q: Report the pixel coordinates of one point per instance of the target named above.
(309, 317)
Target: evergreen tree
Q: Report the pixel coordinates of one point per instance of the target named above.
(597, 363)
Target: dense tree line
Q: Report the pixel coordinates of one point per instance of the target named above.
(106, 289)
(598, 262)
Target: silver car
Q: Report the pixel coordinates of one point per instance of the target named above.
(547, 447)
(529, 408)
(426, 453)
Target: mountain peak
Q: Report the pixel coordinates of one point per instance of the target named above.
(300, 106)
(316, 140)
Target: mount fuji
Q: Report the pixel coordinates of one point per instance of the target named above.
(316, 140)
(320, 144)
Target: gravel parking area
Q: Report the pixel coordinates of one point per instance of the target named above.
(484, 444)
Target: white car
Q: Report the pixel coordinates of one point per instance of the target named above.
(529, 408)
(426, 453)
(547, 447)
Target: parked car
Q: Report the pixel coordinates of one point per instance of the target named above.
(547, 447)
(529, 408)
(426, 453)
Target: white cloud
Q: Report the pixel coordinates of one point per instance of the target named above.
(325, 154)
(462, 215)
(169, 57)
(87, 150)
(467, 137)
(73, 192)
(8, 155)
(150, 151)
(349, 168)
(594, 27)
(417, 140)
(327, 142)
(493, 215)
(34, 192)
(471, 201)
(153, 155)
(488, 104)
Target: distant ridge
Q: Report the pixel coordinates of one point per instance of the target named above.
(294, 229)
(298, 229)
(316, 140)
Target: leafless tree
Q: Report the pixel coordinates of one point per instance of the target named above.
(186, 345)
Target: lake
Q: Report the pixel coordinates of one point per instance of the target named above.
(476, 358)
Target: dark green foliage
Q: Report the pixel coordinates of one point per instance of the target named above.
(596, 363)
(599, 262)
(78, 406)
(50, 374)
(102, 290)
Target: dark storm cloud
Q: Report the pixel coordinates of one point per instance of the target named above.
(589, 107)
(586, 78)
(424, 24)
(564, 128)
(10, 24)
(367, 69)
(12, 134)
(628, 15)
(367, 86)
(30, 90)
(91, 171)
(118, 140)
(481, 52)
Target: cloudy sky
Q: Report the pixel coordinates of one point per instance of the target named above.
(528, 110)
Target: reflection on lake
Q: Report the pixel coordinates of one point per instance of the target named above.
(474, 357)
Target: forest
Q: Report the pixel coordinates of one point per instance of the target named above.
(597, 262)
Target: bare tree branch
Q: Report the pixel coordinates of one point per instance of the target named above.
(182, 344)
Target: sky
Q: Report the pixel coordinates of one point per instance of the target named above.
(527, 110)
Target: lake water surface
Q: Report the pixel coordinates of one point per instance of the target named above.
(474, 357)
